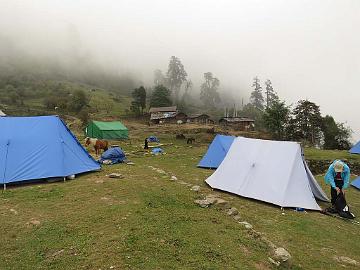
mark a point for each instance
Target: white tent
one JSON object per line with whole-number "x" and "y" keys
{"x": 269, "y": 171}
{"x": 2, "y": 113}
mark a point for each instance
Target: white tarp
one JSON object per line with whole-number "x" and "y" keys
{"x": 269, "y": 171}
{"x": 2, "y": 113}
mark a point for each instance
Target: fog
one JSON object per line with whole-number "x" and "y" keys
{"x": 308, "y": 49}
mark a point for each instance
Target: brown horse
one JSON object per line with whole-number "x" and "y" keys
{"x": 98, "y": 144}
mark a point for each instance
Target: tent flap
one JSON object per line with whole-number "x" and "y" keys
{"x": 216, "y": 152}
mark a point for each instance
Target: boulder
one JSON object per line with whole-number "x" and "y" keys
{"x": 222, "y": 204}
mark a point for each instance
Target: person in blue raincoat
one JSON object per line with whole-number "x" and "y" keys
{"x": 337, "y": 176}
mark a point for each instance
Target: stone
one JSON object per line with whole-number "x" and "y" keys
{"x": 14, "y": 211}
{"x": 173, "y": 178}
{"x": 195, "y": 188}
{"x": 56, "y": 253}
{"x": 99, "y": 181}
{"x": 212, "y": 198}
{"x": 34, "y": 222}
{"x": 232, "y": 211}
{"x": 115, "y": 175}
{"x": 246, "y": 224}
{"x": 347, "y": 260}
{"x": 237, "y": 217}
{"x": 282, "y": 256}
{"x": 203, "y": 203}
{"x": 222, "y": 204}
{"x": 160, "y": 171}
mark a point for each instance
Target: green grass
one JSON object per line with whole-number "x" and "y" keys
{"x": 313, "y": 153}
{"x": 146, "y": 221}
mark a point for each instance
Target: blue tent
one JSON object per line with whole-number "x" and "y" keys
{"x": 116, "y": 155}
{"x": 40, "y": 147}
{"x": 356, "y": 183}
{"x": 355, "y": 149}
{"x": 216, "y": 151}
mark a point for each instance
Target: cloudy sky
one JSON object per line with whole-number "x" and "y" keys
{"x": 308, "y": 48}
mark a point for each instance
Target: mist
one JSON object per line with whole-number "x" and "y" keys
{"x": 309, "y": 49}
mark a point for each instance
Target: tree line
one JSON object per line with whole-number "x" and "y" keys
{"x": 302, "y": 122}
{"x": 167, "y": 88}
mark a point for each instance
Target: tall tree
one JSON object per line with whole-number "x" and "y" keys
{"x": 276, "y": 119}
{"x": 139, "y": 100}
{"x": 307, "y": 122}
{"x": 256, "y": 97}
{"x": 176, "y": 75}
{"x": 336, "y": 135}
{"x": 160, "y": 97}
{"x": 270, "y": 94}
{"x": 209, "y": 90}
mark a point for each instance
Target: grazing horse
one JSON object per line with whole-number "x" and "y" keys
{"x": 98, "y": 144}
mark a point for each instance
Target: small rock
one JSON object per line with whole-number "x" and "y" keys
{"x": 112, "y": 267}
{"x": 347, "y": 260}
{"x": 130, "y": 163}
{"x": 195, "y": 188}
{"x": 14, "y": 211}
{"x": 34, "y": 222}
{"x": 160, "y": 171}
{"x": 232, "y": 211}
{"x": 173, "y": 178}
{"x": 212, "y": 198}
{"x": 247, "y": 225}
{"x": 237, "y": 217}
{"x": 282, "y": 255}
{"x": 57, "y": 253}
{"x": 222, "y": 204}
{"x": 99, "y": 181}
{"x": 203, "y": 203}
{"x": 115, "y": 175}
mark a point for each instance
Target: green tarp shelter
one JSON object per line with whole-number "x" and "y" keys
{"x": 107, "y": 130}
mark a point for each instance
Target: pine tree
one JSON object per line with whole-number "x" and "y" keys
{"x": 270, "y": 94}
{"x": 256, "y": 98}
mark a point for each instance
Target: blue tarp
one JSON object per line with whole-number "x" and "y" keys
{"x": 153, "y": 139}
{"x": 216, "y": 151}
{"x": 356, "y": 183}
{"x": 355, "y": 149}
{"x": 116, "y": 155}
{"x": 157, "y": 150}
{"x": 40, "y": 147}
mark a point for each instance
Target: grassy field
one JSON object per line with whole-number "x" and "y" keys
{"x": 146, "y": 221}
